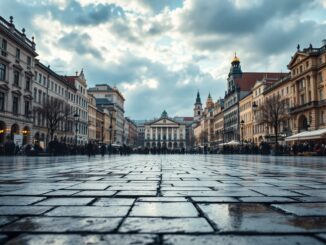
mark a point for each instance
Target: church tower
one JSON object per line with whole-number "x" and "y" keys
{"x": 198, "y": 109}
{"x": 209, "y": 102}
{"x": 235, "y": 71}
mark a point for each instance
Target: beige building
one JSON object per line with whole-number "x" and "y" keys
{"x": 112, "y": 100}
{"x": 17, "y": 64}
{"x": 308, "y": 85}
{"x": 92, "y": 111}
{"x": 80, "y": 105}
{"x": 246, "y": 118}
{"x": 218, "y": 122}
{"x": 165, "y": 133}
{"x": 48, "y": 85}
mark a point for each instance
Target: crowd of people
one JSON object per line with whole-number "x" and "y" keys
{"x": 302, "y": 148}
{"x": 56, "y": 148}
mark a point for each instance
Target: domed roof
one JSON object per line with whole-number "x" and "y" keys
{"x": 235, "y": 58}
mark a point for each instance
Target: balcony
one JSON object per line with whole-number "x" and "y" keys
{"x": 303, "y": 107}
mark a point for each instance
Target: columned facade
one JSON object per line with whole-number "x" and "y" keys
{"x": 165, "y": 133}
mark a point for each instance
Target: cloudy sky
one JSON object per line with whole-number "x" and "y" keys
{"x": 159, "y": 52}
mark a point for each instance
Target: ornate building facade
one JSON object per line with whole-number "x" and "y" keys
{"x": 308, "y": 85}
{"x": 239, "y": 85}
{"x": 17, "y": 65}
{"x": 165, "y": 133}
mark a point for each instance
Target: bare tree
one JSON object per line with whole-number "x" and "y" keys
{"x": 273, "y": 112}
{"x": 54, "y": 111}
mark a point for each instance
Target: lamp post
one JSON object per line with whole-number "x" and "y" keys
{"x": 242, "y": 123}
{"x": 102, "y": 123}
{"x": 76, "y": 116}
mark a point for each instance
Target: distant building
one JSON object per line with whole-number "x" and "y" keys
{"x": 165, "y": 133}
{"x": 112, "y": 100}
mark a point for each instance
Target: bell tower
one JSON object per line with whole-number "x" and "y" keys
{"x": 198, "y": 108}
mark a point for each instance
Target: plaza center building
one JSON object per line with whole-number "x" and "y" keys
{"x": 165, "y": 133}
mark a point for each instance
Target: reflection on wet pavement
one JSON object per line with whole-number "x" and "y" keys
{"x": 172, "y": 199}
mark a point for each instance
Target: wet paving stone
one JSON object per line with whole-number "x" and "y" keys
{"x": 23, "y": 210}
{"x": 87, "y": 211}
{"x": 19, "y": 200}
{"x": 214, "y": 199}
{"x": 303, "y": 209}
{"x": 3, "y": 238}
{"x": 62, "y": 224}
{"x": 61, "y": 193}
{"x": 164, "y": 209}
{"x": 258, "y": 218}
{"x": 166, "y": 225}
{"x": 266, "y": 199}
{"x": 169, "y": 199}
{"x": 162, "y": 199}
{"x": 63, "y": 201}
{"x": 7, "y": 219}
{"x": 83, "y": 239}
{"x": 107, "y": 202}
{"x": 239, "y": 240}
{"x": 95, "y": 193}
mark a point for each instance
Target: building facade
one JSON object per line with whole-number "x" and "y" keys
{"x": 47, "y": 86}
{"x": 17, "y": 65}
{"x": 165, "y": 133}
{"x": 239, "y": 85}
{"x": 111, "y": 99}
{"x": 308, "y": 85}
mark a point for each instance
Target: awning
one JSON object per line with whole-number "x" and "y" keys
{"x": 308, "y": 135}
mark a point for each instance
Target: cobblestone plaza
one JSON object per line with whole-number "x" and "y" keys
{"x": 163, "y": 199}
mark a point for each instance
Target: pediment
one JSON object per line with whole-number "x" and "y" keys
{"x": 164, "y": 121}
{"x": 297, "y": 59}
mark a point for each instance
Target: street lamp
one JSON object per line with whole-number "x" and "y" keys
{"x": 242, "y": 123}
{"x": 254, "y": 105}
{"x": 76, "y": 116}
{"x": 102, "y": 132}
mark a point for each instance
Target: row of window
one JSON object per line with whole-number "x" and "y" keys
{"x": 4, "y": 45}
{"x": 16, "y": 77}
{"x": 15, "y": 105}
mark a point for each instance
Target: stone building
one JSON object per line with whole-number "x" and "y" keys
{"x": 92, "y": 112}
{"x": 308, "y": 86}
{"x": 113, "y": 101}
{"x": 218, "y": 122}
{"x": 48, "y": 85}
{"x": 246, "y": 118}
{"x": 165, "y": 133}
{"x": 81, "y": 106}
{"x": 239, "y": 85}
{"x": 17, "y": 64}
{"x": 132, "y": 133}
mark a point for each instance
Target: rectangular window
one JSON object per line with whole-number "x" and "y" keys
{"x": 320, "y": 77}
{"x": 29, "y": 61}
{"x": 35, "y": 94}
{"x": 40, "y": 96}
{"x": 321, "y": 94}
{"x": 44, "y": 80}
{"x": 17, "y": 54}
{"x": 28, "y": 83}
{"x": 16, "y": 78}
{"x": 15, "y": 102}
{"x": 26, "y": 108}
{"x": 2, "y": 101}
{"x": 4, "y": 47}
{"x": 40, "y": 78}
{"x": 2, "y": 72}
